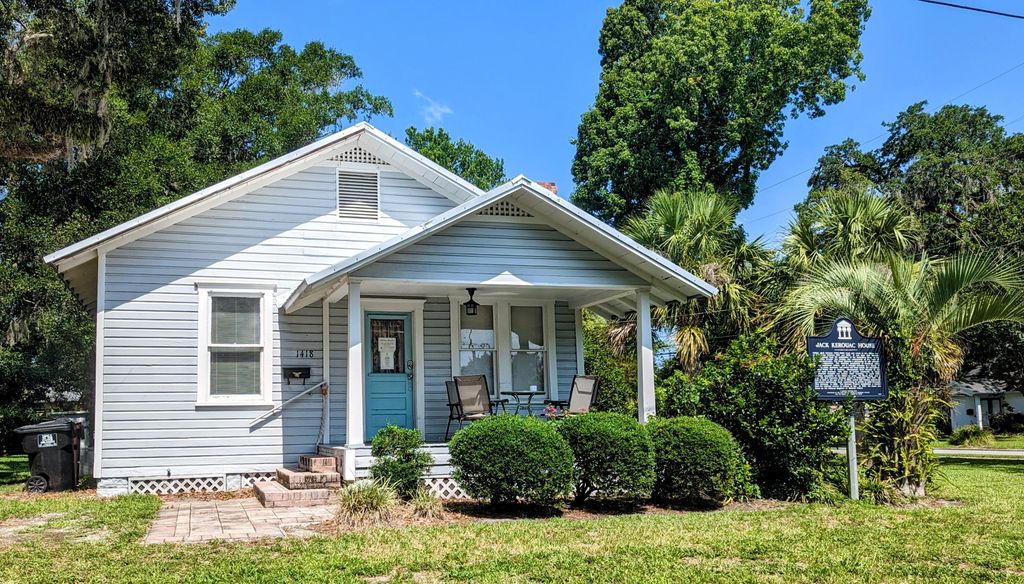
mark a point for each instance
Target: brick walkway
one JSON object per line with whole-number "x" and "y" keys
{"x": 197, "y": 521}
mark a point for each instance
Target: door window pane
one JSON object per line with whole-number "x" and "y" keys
{"x": 236, "y": 321}
{"x": 387, "y": 343}
{"x": 527, "y": 328}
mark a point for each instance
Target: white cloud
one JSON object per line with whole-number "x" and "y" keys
{"x": 433, "y": 111}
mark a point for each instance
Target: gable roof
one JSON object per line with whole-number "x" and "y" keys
{"x": 361, "y": 134}
{"x": 668, "y": 281}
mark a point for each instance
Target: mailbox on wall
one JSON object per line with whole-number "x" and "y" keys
{"x": 300, "y": 374}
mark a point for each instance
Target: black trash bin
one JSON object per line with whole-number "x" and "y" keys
{"x": 52, "y": 449}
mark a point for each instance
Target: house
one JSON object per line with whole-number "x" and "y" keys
{"x": 975, "y": 400}
{"x": 303, "y": 304}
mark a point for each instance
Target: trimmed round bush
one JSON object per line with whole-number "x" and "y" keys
{"x": 697, "y": 462}
{"x": 399, "y": 459}
{"x": 613, "y": 456}
{"x": 508, "y": 458}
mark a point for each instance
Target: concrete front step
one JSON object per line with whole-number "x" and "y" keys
{"x": 294, "y": 479}
{"x": 274, "y": 494}
{"x": 317, "y": 463}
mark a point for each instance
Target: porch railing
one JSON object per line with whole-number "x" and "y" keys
{"x": 322, "y": 386}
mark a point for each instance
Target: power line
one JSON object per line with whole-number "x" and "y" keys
{"x": 973, "y": 9}
{"x": 882, "y": 135}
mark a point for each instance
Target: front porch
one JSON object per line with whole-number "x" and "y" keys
{"x": 520, "y": 339}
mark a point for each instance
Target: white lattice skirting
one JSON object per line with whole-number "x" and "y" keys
{"x": 173, "y": 485}
{"x": 248, "y": 478}
{"x": 444, "y": 488}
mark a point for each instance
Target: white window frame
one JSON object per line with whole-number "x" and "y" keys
{"x": 503, "y": 341}
{"x": 265, "y": 292}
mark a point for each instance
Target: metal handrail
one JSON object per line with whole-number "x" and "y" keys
{"x": 278, "y": 409}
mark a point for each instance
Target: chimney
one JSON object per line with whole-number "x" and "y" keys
{"x": 549, "y": 186}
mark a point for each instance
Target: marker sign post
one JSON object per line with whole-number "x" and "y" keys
{"x": 849, "y": 367}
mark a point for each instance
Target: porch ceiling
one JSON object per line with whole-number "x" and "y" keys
{"x": 609, "y": 303}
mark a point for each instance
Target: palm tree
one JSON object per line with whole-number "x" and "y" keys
{"x": 697, "y": 231}
{"x": 922, "y": 310}
{"x": 849, "y": 224}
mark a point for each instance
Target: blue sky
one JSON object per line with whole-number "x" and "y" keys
{"x": 514, "y": 77}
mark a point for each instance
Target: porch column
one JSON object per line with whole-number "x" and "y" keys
{"x": 977, "y": 412}
{"x": 644, "y": 357}
{"x": 354, "y": 387}
{"x": 326, "y": 321}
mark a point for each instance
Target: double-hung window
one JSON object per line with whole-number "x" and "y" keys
{"x": 235, "y": 350}
{"x": 527, "y": 347}
{"x": 476, "y": 344}
{"x": 510, "y": 344}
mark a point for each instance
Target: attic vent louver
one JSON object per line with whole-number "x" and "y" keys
{"x": 359, "y": 156}
{"x": 504, "y": 209}
{"x": 358, "y": 195}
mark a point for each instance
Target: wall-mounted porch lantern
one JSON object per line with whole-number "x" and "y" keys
{"x": 471, "y": 305}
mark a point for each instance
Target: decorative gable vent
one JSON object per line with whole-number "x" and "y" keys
{"x": 359, "y": 156}
{"x": 504, "y": 209}
{"x": 358, "y": 195}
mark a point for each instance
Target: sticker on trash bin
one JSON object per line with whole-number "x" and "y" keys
{"x": 46, "y": 440}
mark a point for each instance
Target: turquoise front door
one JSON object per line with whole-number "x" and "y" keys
{"x": 389, "y": 371}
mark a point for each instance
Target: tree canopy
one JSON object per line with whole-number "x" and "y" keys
{"x": 696, "y": 93}
{"x": 458, "y": 156}
{"x": 235, "y": 100}
{"x": 61, "y": 60}
{"x": 955, "y": 169}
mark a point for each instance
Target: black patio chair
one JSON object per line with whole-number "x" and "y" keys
{"x": 582, "y": 396}
{"x": 469, "y": 400}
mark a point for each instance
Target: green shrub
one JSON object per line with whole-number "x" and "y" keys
{"x": 366, "y": 502}
{"x": 613, "y": 456}
{"x": 507, "y": 458}
{"x": 881, "y": 492}
{"x": 1008, "y": 423}
{"x": 763, "y": 397}
{"x": 971, "y": 436}
{"x": 696, "y": 461}
{"x": 618, "y": 372}
{"x": 399, "y": 458}
{"x": 425, "y": 504}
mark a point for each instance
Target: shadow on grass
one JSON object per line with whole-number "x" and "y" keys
{"x": 591, "y": 509}
{"x": 1015, "y": 466}
{"x": 482, "y": 510}
{"x": 13, "y": 469}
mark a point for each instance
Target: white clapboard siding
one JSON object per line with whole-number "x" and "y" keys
{"x": 280, "y": 233}
{"x": 479, "y": 252}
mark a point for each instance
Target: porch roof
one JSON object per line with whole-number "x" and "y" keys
{"x": 665, "y": 280}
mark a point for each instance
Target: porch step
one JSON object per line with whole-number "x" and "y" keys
{"x": 274, "y": 494}
{"x": 317, "y": 463}
{"x": 294, "y": 479}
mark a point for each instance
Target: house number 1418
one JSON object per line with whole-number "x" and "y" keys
{"x": 304, "y": 354}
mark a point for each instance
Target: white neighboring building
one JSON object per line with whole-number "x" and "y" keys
{"x": 976, "y": 400}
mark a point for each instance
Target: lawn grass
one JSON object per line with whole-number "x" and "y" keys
{"x": 980, "y": 539}
{"x": 13, "y": 472}
{"x": 1002, "y": 442}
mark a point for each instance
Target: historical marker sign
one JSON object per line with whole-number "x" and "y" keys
{"x": 849, "y": 366}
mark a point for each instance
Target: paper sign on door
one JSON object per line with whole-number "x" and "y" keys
{"x": 386, "y": 347}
